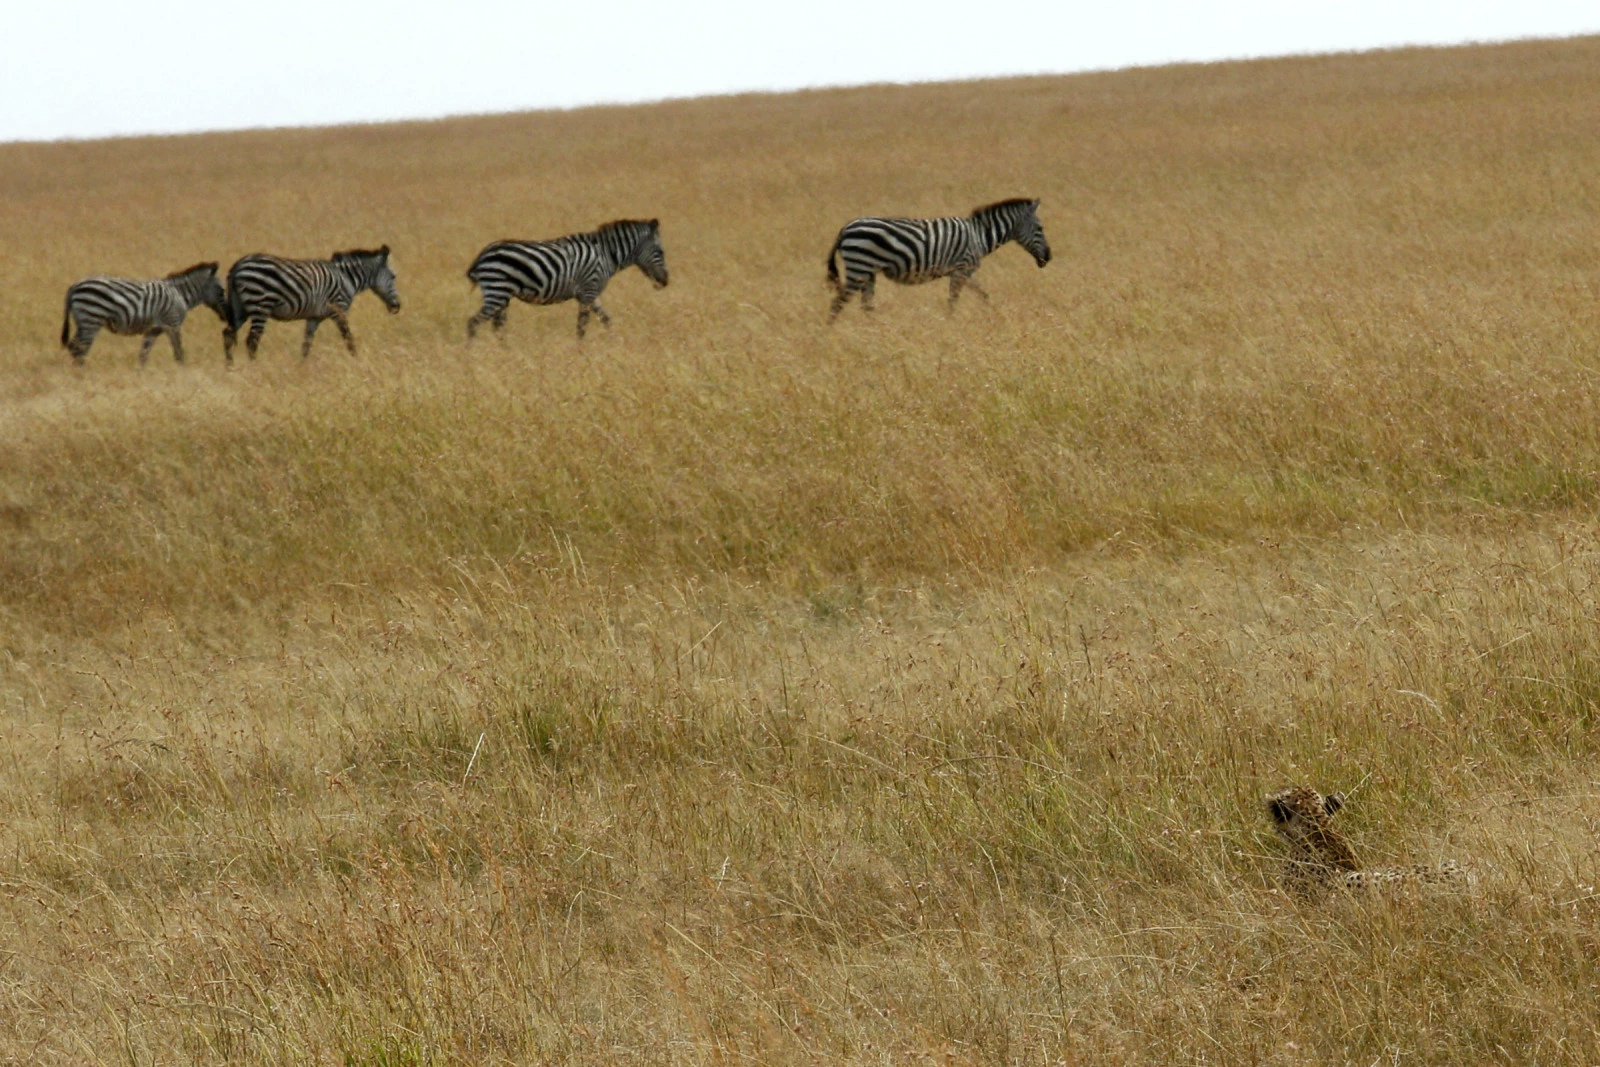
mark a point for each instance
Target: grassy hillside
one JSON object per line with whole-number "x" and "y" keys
{"x": 733, "y": 688}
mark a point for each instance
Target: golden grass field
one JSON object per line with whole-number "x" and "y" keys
{"x": 730, "y": 688}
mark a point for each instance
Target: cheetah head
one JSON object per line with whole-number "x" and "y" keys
{"x": 1303, "y": 818}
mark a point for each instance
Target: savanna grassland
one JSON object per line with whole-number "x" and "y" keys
{"x": 730, "y": 688}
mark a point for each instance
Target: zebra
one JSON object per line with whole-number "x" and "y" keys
{"x": 262, "y": 287}
{"x": 577, "y": 266}
{"x": 911, "y": 251}
{"x": 152, "y": 308}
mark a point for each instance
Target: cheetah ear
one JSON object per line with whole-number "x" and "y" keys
{"x": 1332, "y": 802}
{"x": 1278, "y": 810}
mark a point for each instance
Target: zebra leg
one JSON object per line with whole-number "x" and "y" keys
{"x": 343, "y": 323}
{"x": 175, "y": 335}
{"x": 493, "y": 310}
{"x": 869, "y": 291}
{"x": 149, "y": 342}
{"x": 958, "y": 282}
{"x": 229, "y": 336}
{"x": 80, "y": 344}
{"x": 497, "y": 317}
{"x": 311, "y": 331}
{"x": 499, "y": 323}
{"x": 843, "y": 291}
{"x": 253, "y": 340}
{"x": 588, "y": 296}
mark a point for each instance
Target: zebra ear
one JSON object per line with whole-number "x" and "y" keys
{"x": 655, "y": 224}
{"x": 384, "y": 251}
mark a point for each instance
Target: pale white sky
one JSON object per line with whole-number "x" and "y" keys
{"x": 94, "y": 68}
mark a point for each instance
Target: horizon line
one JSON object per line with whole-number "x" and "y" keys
{"x": 795, "y": 90}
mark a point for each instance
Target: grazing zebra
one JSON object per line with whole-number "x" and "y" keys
{"x": 578, "y": 266}
{"x": 148, "y": 307}
{"x": 910, "y": 251}
{"x": 262, "y": 287}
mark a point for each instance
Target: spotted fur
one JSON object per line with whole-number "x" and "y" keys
{"x": 1321, "y": 857}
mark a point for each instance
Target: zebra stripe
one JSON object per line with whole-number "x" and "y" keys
{"x": 126, "y": 306}
{"x": 262, "y": 287}
{"x": 573, "y": 267}
{"x": 911, "y": 251}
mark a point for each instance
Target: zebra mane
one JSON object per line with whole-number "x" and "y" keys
{"x": 629, "y": 225}
{"x": 624, "y": 239}
{"x": 175, "y": 275}
{"x": 1000, "y": 206}
{"x": 362, "y": 253}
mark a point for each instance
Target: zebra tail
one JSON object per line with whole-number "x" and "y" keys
{"x": 833, "y": 266}
{"x": 66, "y": 323}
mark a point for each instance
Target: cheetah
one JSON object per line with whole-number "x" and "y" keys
{"x": 1320, "y": 857}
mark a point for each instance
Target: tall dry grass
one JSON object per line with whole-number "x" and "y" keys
{"x": 732, "y": 688}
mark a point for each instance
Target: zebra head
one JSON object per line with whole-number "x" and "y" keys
{"x": 637, "y": 242}
{"x": 1030, "y": 234}
{"x": 199, "y": 284}
{"x": 1015, "y": 220}
{"x": 371, "y": 270}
